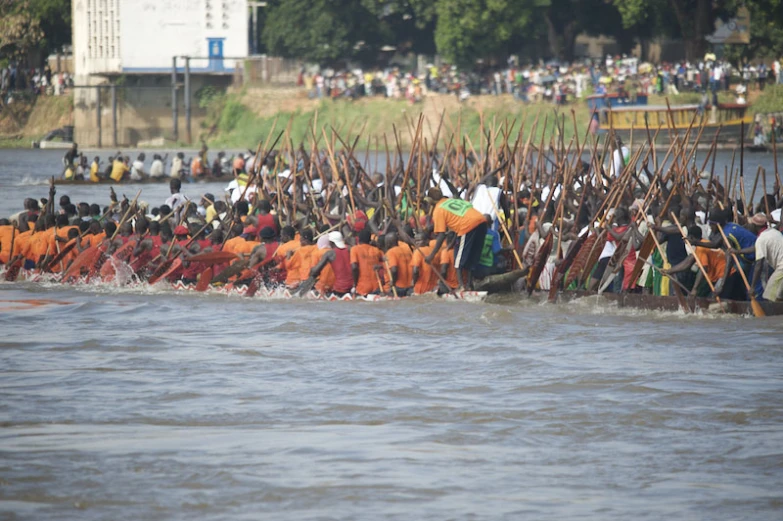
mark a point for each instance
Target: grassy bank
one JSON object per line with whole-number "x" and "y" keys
{"x": 235, "y": 122}
{"x": 242, "y": 119}
{"x": 25, "y": 121}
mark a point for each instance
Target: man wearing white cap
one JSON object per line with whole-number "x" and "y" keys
{"x": 340, "y": 260}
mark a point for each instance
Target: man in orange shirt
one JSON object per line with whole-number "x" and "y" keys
{"x": 299, "y": 262}
{"x": 447, "y": 270}
{"x": 7, "y": 235}
{"x": 424, "y": 277}
{"x": 714, "y": 263}
{"x": 399, "y": 257}
{"x": 365, "y": 260}
{"x": 468, "y": 223}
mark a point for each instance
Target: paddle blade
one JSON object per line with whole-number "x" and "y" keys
{"x": 231, "y": 271}
{"x": 758, "y": 311}
{"x": 204, "y": 279}
{"x": 214, "y": 257}
{"x": 161, "y": 270}
{"x": 305, "y": 286}
{"x": 13, "y": 270}
{"x": 252, "y": 288}
{"x": 60, "y": 256}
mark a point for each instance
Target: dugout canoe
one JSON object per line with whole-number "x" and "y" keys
{"x": 670, "y": 303}
{"x": 145, "y": 181}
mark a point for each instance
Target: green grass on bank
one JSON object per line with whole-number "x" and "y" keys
{"x": 236, "y": 126}
{"x": 769, "y": 101}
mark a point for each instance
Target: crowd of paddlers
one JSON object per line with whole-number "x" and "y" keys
{"x": 582, "y": 213}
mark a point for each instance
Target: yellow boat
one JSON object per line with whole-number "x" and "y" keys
{"x": 625, "y": 119}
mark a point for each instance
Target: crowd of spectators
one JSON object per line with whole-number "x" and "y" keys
{"x": 552, "y": 82}
{"x": 21, "y": 81}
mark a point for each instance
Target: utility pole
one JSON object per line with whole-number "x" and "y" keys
{"x": 98, "y": 113}
{"x": 114, "y": 114}
{"x": 174, "y": 114}
{"x": 188, "y": 136}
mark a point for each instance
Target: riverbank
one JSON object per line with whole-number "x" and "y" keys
{"x": 26, "y": 120}
{"x": 241, "y": 119}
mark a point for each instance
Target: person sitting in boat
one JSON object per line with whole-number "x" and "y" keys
{"x": 119, "y": 169}
{"x": 157, "y": 168}
{"x": 95, "y": 170}
{"x": 177, "y": 166}
{"x": 759, "y": 139}
{"x": 768, "y": 249}
{"x": 490, "y": 262}
{"x": 726, "y": 281}
{"x": 109, "y": 168}
{"x": 70, "y": 172}
{"x": 137, "y": 169}
{"x": 197, "y": 167}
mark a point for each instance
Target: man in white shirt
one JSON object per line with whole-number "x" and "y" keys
{"x": 769, "y": 250}
{"x": 620, "y": 158}
{"x": 157, "y": 168}
{"x": 137, "y": 168}
{"x": 176, "y": 200}
{"x": 176, "y": 165}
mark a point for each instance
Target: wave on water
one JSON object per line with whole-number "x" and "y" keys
{"x": 590, "y": 305}
{"x": 29, "y": 180}
{"x": 128, "y": 285}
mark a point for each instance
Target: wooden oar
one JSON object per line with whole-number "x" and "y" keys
{"x": 204, "y": 279}
{"x": 213, "y": 257}
{"x": 758, "y": 311}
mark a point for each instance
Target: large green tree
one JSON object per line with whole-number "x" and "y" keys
{"x": 20, "y": 30}
{"x": 566, "y": 19}
{"x": 471, "y": 29}
{"x": 322, "y": 31}
{"x": 409, "y": 25}
{"x": 766, "y": 32}
{"x": 54, "y": 17}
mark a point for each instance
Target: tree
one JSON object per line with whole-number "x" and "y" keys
{"x": 766, "y": 32}
{"x": 54, "y": 17}
{"x": 467, "y": 30}
{"x": 20, "y": 31}
{"x": 322, "y": 31}
{"x": 409, "y": 25}
{"x": 566, "y": 19}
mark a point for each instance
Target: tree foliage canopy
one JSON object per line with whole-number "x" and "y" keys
{"x": 27, "y": 25}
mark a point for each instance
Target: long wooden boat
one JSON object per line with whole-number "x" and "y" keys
{"x": 729, "y": 117}
{"x": 660, "y": 303}
{"x": 145, "y": 181}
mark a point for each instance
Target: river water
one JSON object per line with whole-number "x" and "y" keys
{"x": 145, "y": 403}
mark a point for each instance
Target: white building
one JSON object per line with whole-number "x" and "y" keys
{"x": 123, "y": 54}
{"x": 142, "y": 36}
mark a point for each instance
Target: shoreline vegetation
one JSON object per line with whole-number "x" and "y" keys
{"x": 240, "y": 119}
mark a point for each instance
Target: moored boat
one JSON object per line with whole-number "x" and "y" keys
{"x": 625, "y": 120}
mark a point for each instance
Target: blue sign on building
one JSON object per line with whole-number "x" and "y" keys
{"x": 215, "y": 53}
